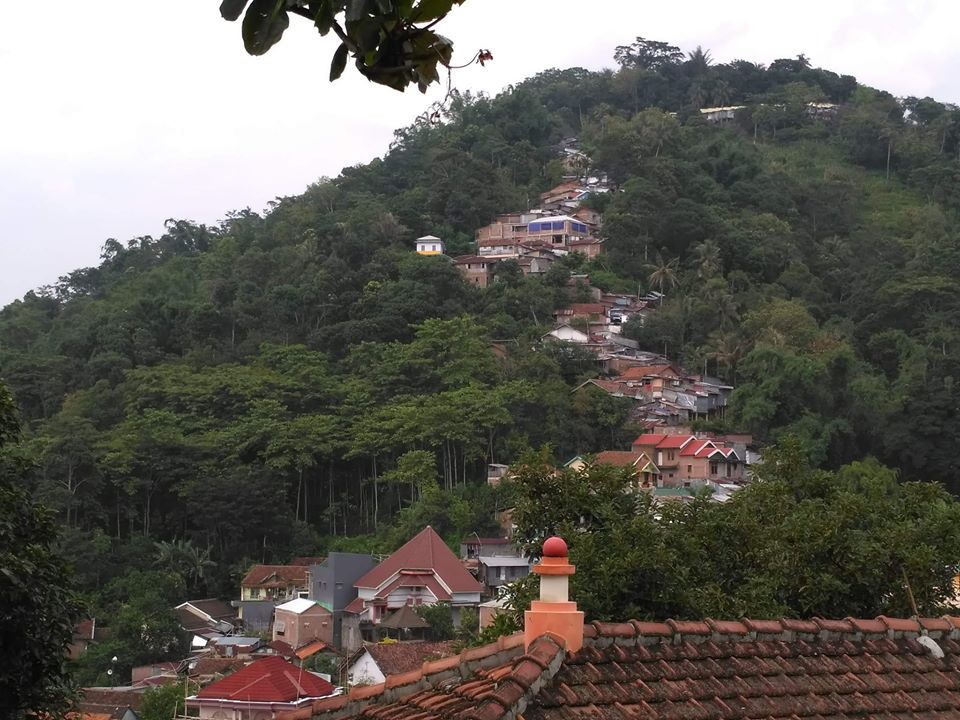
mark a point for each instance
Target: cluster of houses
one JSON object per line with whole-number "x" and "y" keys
{"x": 250, "y": 658}
{"x": 534, "y": 239}
{"x": 674, "y": 463}
{"x": 726, "y": 113}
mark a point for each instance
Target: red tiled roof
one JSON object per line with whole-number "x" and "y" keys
{"x": 620, "y": 458}
{"x": 310, "y": 649}
{"x": 675, "y": 441}
{"x": 354, "y": 606}
{"x": 282, "y": 648}
{"x": 269, "y": 679}
{"x": 275, "y": 576}
{"x": 649, "y": 440}
{"x": 402, "y": 657}
{"x": 425, "y": 551}
{"x": 882, "y": 669}
{"x": 638, "y": 372}
{"x": 209, "y": 665}
{"x": 696, "y": 446}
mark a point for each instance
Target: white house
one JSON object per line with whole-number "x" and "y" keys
{"x": 430, "y": 245}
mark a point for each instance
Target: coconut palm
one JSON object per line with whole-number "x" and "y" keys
{"x": 664, "y": 273}
{"x": 706, "y": 258}
{"x": 185, "y": 559}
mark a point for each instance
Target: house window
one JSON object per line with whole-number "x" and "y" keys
{"x": 670, "y": 455}
{"x": 280, "y": 627}
{"x": 689, "y": 468}
{"x": 713, "y": 468}
{"x": 558, "y": 239}
{"x": 339, "y": 586}
{"x": 254, "y": 593}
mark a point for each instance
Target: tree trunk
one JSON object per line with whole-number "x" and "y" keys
{"x": 889, "y": 149}
{"x": 296, "y": 513}
{"x": 376, "y": 494}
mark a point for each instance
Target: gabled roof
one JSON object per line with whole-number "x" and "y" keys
{"x": 425, "y": 551}
{"x": 621, "y": 458}
{"x": 675, "y": 441}
{"x": 269, "y": 679}
{"x": 275, "y": 576}
{"x": 649, "y": 439}
{"x": 881, "y": 669}
{"x": 298, "y": 605}
{"x": 402, "y": 657}
{"x": 405, "y": 618}
{"x": 696, "y": 446}
{"x": 639, "y": 372}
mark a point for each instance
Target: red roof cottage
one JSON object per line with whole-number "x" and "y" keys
{"x": 422, "y": 572}
{"x": 563, "y": 669}
{"x": 260, "y": 691}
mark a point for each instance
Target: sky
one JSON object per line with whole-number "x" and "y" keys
{"x": 117, "y": 116}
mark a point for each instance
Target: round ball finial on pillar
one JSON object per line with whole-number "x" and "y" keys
{"x": 555, "y": 547}
{"x": 553, "y": 612}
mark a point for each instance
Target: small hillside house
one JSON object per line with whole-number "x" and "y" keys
{"x": 430, "y": 245}
{"x": 298, "y": 622}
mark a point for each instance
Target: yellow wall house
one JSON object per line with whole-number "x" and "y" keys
{"x": 430, "y": 245}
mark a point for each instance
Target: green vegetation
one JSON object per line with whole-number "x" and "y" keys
{"x": 298, "y": 380}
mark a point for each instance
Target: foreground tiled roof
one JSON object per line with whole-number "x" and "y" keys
{"x": 882, "y": 669}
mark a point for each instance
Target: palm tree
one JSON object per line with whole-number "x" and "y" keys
{"x": 722, "y": 92}
{"x": 185, "y": 559}
{"x": 699, "y": 60}
{"x": 726, "y": 350}
{"x": 706, "y": 258}
{"x": 664, "y": 273}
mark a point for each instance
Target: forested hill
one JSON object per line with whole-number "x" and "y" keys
{"x": 302, "y": 373}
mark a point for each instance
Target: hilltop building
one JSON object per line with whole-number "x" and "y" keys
{"x": 430, "y": 245}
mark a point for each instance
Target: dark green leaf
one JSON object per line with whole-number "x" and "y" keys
{"x": 231, "y": 9}
{"x": 339, "y": 62}
{"x": 263, "y": 25}
{"x": 325, "y": 16}
{"x": 356, "y": 10}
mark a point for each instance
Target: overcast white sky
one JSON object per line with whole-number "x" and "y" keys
{"x": 118, "y": 115}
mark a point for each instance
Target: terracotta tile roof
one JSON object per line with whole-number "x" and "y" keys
{"x": 282, "y": 649}
{"x": 695, "y": 447}
{"x": 265, "y": 576}
{"x": 649, "y": 440}
{"x": 311, "y": 649}
{"x": 638, "y": 372}
{"x": 403, "y": 657}
{"x": 217, "y": 609}
{"x": 208, "y": 666}
{"x": 881, "y": 669}
{"x": 675, "y": 441}
{"x": 269, "y": 679}
{"x": 108, "y": 700}
{"x": 425, "y": 551}
{"x": 620, "y": 458}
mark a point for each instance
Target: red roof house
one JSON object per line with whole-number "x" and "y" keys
{"x": 272, "y": 685}
{"x": 273, "y": 582}
{"x": 424, "y": 571}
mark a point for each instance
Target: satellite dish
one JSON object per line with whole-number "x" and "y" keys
{"x": 110, "y": 671}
